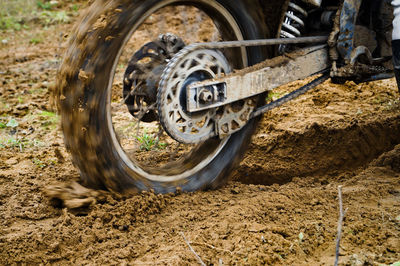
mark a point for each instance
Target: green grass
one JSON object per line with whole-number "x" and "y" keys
{"x": 75, "y": 7}
{"x": 17, "y": 14}
{"x": 273, "y": 96}
{"x": 38, "y": 163}
{"x": 45, "y": 5}
{"x": 12, "y": 123}
{"x": 35, "y": 41}
{"x": 12, "y": 142}
{"x": 49, "y": 119}
{"x": 10, "y": 23}
{"x": 14, "y": 13}
{"x": 149, "y": 142}
{"x": 10, "y": 136}
{"x": 3, "y": 104}
{"x": 42, "y": 164}
{"x": 53, "y": 17}
{"x": 48, "y": 114}
{"x": 20, "y": 99}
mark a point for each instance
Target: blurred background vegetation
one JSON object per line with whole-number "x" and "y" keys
{"x": 23, "y": 14}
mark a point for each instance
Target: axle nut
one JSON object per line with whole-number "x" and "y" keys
{"x": 205, "y": 96}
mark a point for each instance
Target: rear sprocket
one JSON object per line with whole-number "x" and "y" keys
{"x": 188, "y": 67}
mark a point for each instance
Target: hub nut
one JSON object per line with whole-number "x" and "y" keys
{"x": 205, "y": 96}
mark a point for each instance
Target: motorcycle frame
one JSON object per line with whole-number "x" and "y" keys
{"x": 348, "y": 16}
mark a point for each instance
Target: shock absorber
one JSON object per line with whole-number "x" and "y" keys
{"x": 293, "y": 23}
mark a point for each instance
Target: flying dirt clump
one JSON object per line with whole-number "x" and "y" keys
{"x": 82, "y": 200}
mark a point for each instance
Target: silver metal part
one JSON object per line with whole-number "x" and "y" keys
{"x": 316, "y": 3}
{"x": 192, "y": 110}
{"x": 293, "y": 22}
{"x": 359, "y": 51}
{"x": 260, "y": 42}
{"x": 234, "y": 117}
{"x": 205, "y": 96}
{"x": 290, "y": 96}
{"x": 180, "y": 124}
{"x": 241, "y": 86}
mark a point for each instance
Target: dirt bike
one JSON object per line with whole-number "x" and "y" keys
{"x": 165, "y": 95}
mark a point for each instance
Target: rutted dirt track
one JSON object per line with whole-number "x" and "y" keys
{"x": 281, "y": 206}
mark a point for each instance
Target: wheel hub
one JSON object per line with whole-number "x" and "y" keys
{"x": 197, "y": 66}
{"x": 143, "y": 74}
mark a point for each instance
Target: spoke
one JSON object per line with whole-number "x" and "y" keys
{"x": 219, "y": 71}
{"x": 186, "y": 66}
{"x": 196, "y": 128}
{"x": 173, "y": 86}
{"x": 131, "y": 93}
{"x": 188, "y": 129}
{"x": 181, "y": 124}
{"x": 208, "y": 58}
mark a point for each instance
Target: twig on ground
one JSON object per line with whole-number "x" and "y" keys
{"x": 340, "y": 222}
{"x": 192, "y": 250}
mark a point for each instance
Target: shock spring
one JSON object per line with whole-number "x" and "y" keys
{"x": 293, "y": 23}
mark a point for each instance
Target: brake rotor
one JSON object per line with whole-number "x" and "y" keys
{"x": 143, "y": 74}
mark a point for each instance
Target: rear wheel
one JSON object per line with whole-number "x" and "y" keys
{"x": 108, "y": 84}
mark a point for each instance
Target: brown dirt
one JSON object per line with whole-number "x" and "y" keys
{"x": 280, "y": 208}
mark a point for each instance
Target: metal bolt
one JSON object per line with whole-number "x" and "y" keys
{"x": 205, "y": 96}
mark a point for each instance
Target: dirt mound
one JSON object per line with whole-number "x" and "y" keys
{"x": 390, "y": 159}
{"x": 317, "y": 150}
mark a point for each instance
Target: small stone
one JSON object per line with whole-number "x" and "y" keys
{"x": 235, "y": 190}
{"x": 11, "y": 161}
{"x": 256, "y": 227}
{"x": 123, "y": 227}
{"x": 54, "y": 245}
{"x": 393, "y": 245}
{"x": 315, "y": 202}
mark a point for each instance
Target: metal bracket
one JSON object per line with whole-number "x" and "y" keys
{"x": 348, "y": 16}
{"x": 260, "y": 78}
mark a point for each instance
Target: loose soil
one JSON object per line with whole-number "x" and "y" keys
{"x": 281, "y": 206}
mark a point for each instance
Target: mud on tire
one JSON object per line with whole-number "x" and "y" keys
{"x": 84, "y": 84}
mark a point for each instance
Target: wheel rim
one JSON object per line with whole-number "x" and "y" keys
{"x": 201, "y": 155}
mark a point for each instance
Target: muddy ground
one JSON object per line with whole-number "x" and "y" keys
{"x": 281, "y": 206}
